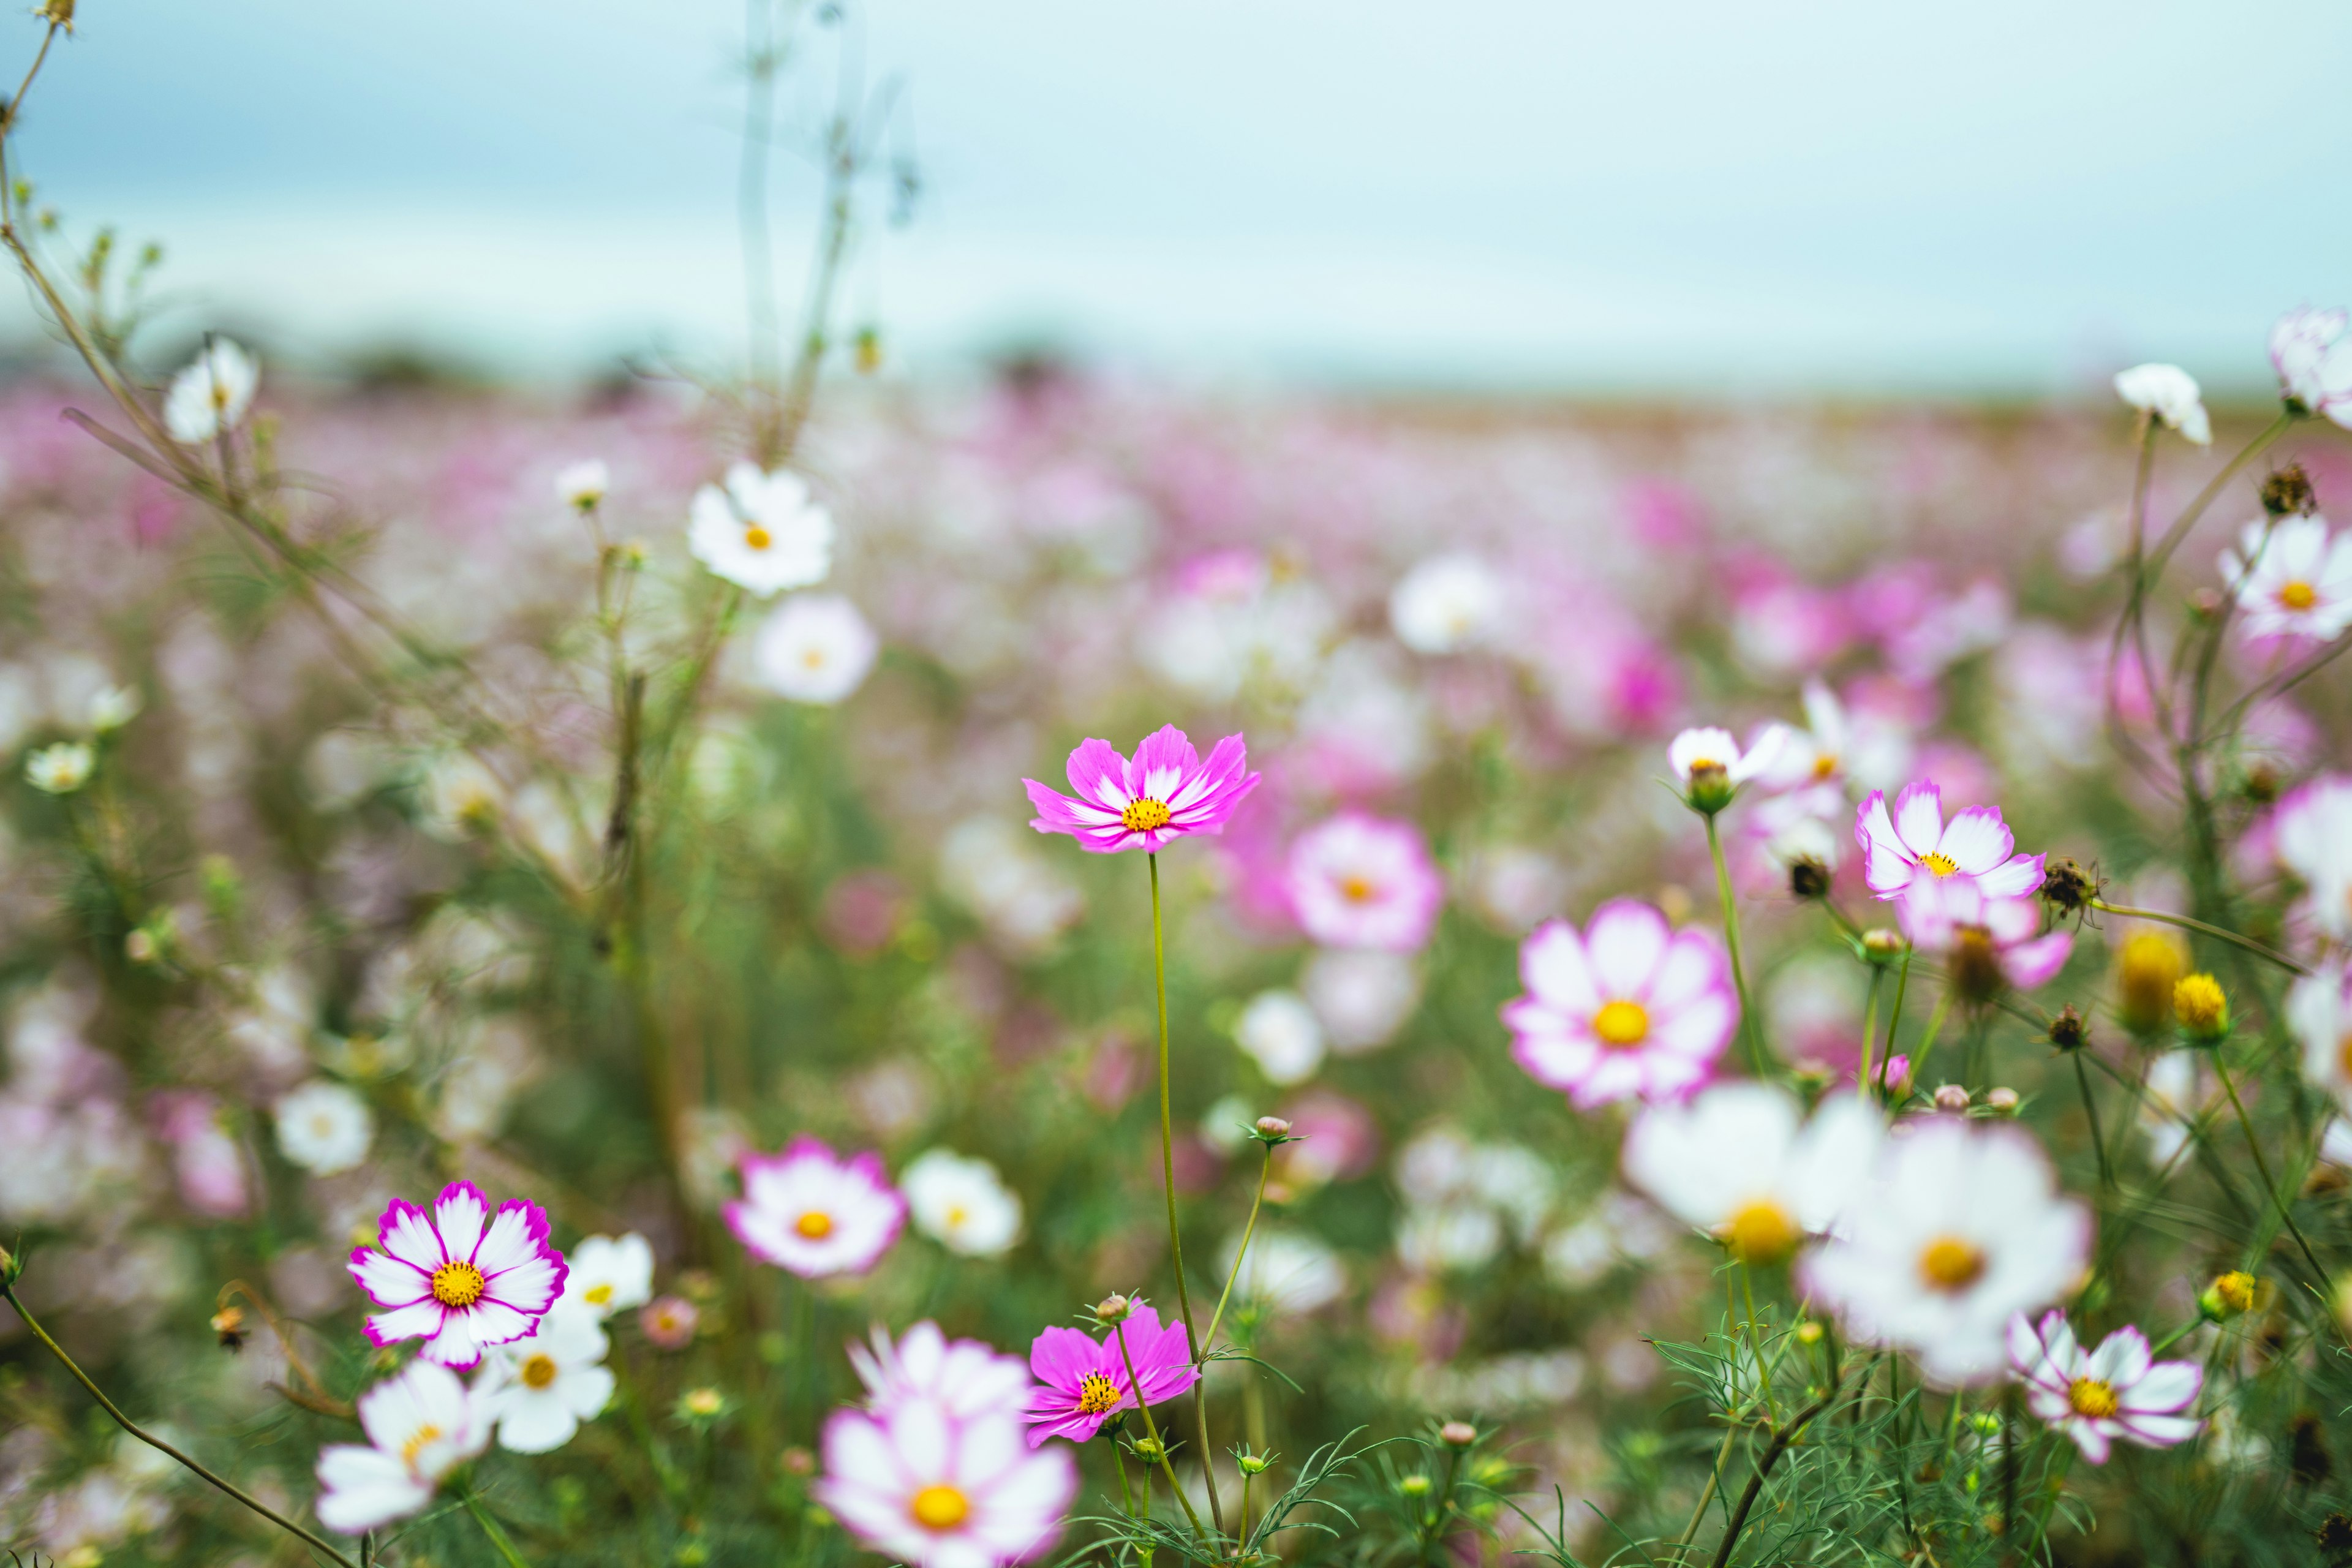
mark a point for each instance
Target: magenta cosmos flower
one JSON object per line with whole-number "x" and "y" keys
{"x": 458, "y": 1278}
{"x": 1914, "y": 844}
{"x": 813, "y": 1214}
{"x": 1165, "y": 794}
{"x": 1363, "y": 881}
{"x": 2118, "y": 1390}
{"x": 926, "y": 1489}
{"x": 1988, "y": 945}
{"x": 1629, "y": 1010}
{"x": 1086, "y": 1380}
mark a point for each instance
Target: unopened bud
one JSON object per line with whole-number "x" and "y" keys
{"x": 1271, "y": 1131}
{"x": 1148, "y": 1447}
{"x": 1251, "y": 1463}
{"x": 1951, "y": 1097}
{"x": 1413, "y": 1486}
{"x": 140, "y": 947}
{"x": 2004, "y": 1101}
{"x": 1881, "y": 946}
{"x": 1710, "y": 788}
{"x": 2229, "y": 1296}
{"x": 1113, "y": 1308}
{"x": 2201, "y": 1006}
{"x": 1457, "y": 1434}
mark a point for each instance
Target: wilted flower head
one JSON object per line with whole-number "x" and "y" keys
{"x": 815, "y": 648}
{"x": 1629, "y": 1009}
{"x": 760, "y": 532}
{"x": 420, "y": 1426}
{"x": 813, "y": 1214}
{"x": 459, "y": 1277}
{"x": 2169, "y": 393}
{"x": 1166, "y": 794}
{"x": 2118, "y": 1390}
{"x": 212, "y": 393}
{"x": 2292, "y": 577}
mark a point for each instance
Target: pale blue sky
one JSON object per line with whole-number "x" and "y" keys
{"x": 2017, "y": 195}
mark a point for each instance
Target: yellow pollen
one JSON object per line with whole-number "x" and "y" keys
{"x": 416, "y": 1441}
{"x": 456, "y": 1284}
{"x": 1951, "y": 1265}
{"x": 2090, "y": 1396}
{"x": 539, "y": 1372}
{"x": 1824, "y": 764}
{"x": 814, "y": 659}
{"x": 957, "y": 1215}
{"x": 1761, "y": 1231}
{"x": 1940, "y": 863}
{"x": 1357, "y": 890}
{"x": 756, "y": 538}
{"x": 2297, "y": 597}
{"x": 816, "y": 1224}
{"x": 1096, "y": 1395}
{"x": 1621, "y": 1023}
{"x": 1144, "y": 813}
{"x": 940, "y": 1508}
{"x": 597, "y": 1295}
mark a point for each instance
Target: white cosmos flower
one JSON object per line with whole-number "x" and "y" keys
{"x": 112, "y": 707}
{"x": 1713, "y": 748}
{"x": 760, "y": 533}
{"x": 2319, "y": 1010}
{"x": 2314, "y": 840}
{"x": 1281, "y": 1033}
{"x": 2292, "y": 578}
{"x": 2314, "y": 360}
{"x": 2172, "y": 1095}
{"x": 610, "y": 1274}
{"x": 965, "y": 1378}
{"x": 1433, "y": 1239}
{"x": 2170, "y": 393}
{"x": 584, "y": 484}
{"x": 60, "y": 769}
{"x": 420, "y": 1426}
{"x": 1287, "y": 1270}
{"x": 961, "y": 1203}
{"x": 1959, "y": 1228}
{"x": 212, "y": 395}
{"x": 1446, "y": 603}
{"x": 1741, "y": 1162}
{"x": 1362, "y": 995}
{"x": 815, "y": 648}
{"x": 540, "y": 1389}
{"x": 324, "y": 1127}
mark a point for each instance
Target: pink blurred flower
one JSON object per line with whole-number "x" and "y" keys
{"x": 458, "y": 1278}
{"x": 207, "y": 1160}
{"x": 1167, "y": 793}
{"x": 1357, "y": 881}
{"x": 1084, "y": 1379}
{"x": 2118, "y": 1390}
{"x": 2313, "y": 361}
{"x": 1914, "y": 844}
{"x": 923, "y": 1488}
{"x": 965, "y": 1378}
{"x": 1990, "y": 944}
{"x": 1332, "y": 1139}
{"x": 812, "y": 1214}
{"x": 669, "y": 1322}
{"x": 1629, "y": 1010}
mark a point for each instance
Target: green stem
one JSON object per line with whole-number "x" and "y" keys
{"x": 2263, "y": 1168}
{"x": 1135, "y": 1386}
{"x": 2175, "y": 1337}
{"x": 1935, "y": 1027}
{"x": 2090, "y": 1109}
{"x": 1731, "y": 941}
{"x": 2220, "y": 933}
{"x": 1870, "y": 1030}
{"x": 1894, "y": 1018}
{"x": 497, "y": 1537}
{"x": 1266, "y": 1167}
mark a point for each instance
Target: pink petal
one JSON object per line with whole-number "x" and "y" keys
{"x": 1163, "y": 760}
{"x": 1625, "y": 941}
{"x": 2037, "y": 962}
{"x": 1099, "y": 774}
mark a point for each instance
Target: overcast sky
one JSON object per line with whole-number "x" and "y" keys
{"x": 2014, "y": 194}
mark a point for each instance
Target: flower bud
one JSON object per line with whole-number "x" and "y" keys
{"x": 1113, "y": 1308}
{"x": 140, "y": 947}
{"x": 2229, "y": 1296}
{"x": 2203, "y": 1009}
{"x": 1251, "y": 1463}
{"x": 2004, "y": 1101}
{"x": 2070, "y": 1031}
{"x": 1710, "y": 788}
{"x": 2068, "y": 887}
{"x": 701, "y": 1404}
{"x": 1457, "y": 1434}
{"x": 1881, "y": 946}
{"x": 1951, "y": 1097}
{"x": 1271, "y": 1131}
{"x": 1809, "y": 1332}
{"x": 1413, "y": 1486}
{"x": 1148, "y": 1447}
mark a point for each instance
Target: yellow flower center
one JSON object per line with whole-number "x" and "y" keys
{"x": 756, "y": 538}
{"x": 816, "y": 1224}
{"x": 597, "y": 1295}
{"x": 538, "y": 1371}
{"x": 416, "y": 1441}
{"x": 2200, "y": 1005}
{"x": 1824, "y": 764}
{"x": 456, "y": 1284}
{"x": 957, "y": 1215}
{"x": 2089, "y": 1396}
{"x": 1144, "y": 813}
{"x": 2297, "y": 597}
{"x": 1941, "y": 864}
{"x": 940, "y": 1507}
{"x": 1357, "y": 890}
{"x": 704, "y": 1402}
{"x": 2236, "y": 1290}
{"x": 1951, "y": 1265}
{"x": 814, "y": 659}
{"x": 1620, "y": 1025}
{"x": 1096, "y": 1395}
{"x": 1761, "y": 1231}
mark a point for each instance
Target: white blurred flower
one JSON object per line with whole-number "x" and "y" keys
{"x": 1280, "y": 1032}
{"x": 421, "y": 1425}
{"x": 584, "y": 484}
{"x": 1435, "y": 1238}
{"x": 112, "y": 708}
{"x": 461, "y": 796}
{"x": 609, "y": 1274}
{"x": 60, "y": 769}
{"x": 997, "y": 874}
{"x": 1287, "y": 1270}
{"x": 1226, "y": 1126}
{"x": 761, "y": 531}
{"x": 2319, "y": 1010}
{"x": 961, "y": 1203}
{"x": 2170, "y": 393}
{"x": 1516, "y": 886}
{"x": 2292, "y": 578}
{"x": 1741, "y": 1162}
{"x": 324, "y": 1127}
{"x": 815, "y": 648}
{"x": 1695, "y": 749}
{"x": 2313, "y": 361}
{"x": 540, "y": 1389}
{"x": 212, "y": 393}
{"x": 1362, "y": 996}
{"x": 1446, "y": 603}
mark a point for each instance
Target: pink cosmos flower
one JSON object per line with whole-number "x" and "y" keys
{"x": 964, "y": 1378}
{"x": 669, "y": 1322}
{"x": 814, "y": 1214}
{"x": 927, "y": 1489}
{"x": 459, "y": 1277}
{"x": 1164, "y": 795}
{"x": 1363, "y": 881}
{"x": 2313, "y": 361}
{"x": 1991, "y": 944}
{"x": 1629, "y": 1010}
{"x": 1086, "y": 1380}
{"x": 2115, "y": 1390}
{"x": 1915, "y": 843}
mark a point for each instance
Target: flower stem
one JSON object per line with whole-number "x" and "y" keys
{"x": 1935, "y": 1027}
{"x": 2175, "y": 1337}
{"x": 1731, "y": 941}
{"x": 1266, "y": 1166}
{"x": 2090, "y": 1109}
{"x": 497, "y": 1537}
{"x": 1870, "y": 1030}
{"x": 2262, "y": 1167}
{"x": 8, "y": 1294}
{"x": 2219, "y": 933}
{"x": 1894, "y": 1018}
{"x": 1135, "y": 1386}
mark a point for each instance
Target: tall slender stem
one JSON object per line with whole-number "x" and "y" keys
{"x": 2262, "y": 1167}
{"x": 1870, "y": 1029}
{"x": 2220, "y": 933}
{"x": 2090, "y": 1109}
{"x": 1264, "y": 1168}
{"x": 1894, "y": 1018}
{"x": 1731, "y": 941}
{"x": 1150, "y": 1430}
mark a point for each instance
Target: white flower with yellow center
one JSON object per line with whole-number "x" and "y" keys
{"x": 1959, "y": 1227}
{"x": 816, "y": 647}
{"x": 420, "y": 1426}
{"x": 2291, "y": 578}
{"x": 760, "y": 532}
{"x": 1711, "y": 757}
{"x": 1740, "y": 1163}
{"x": 1446, "y": 603}
{"x": 1279, "y": 1031}
{"x": 2169, "y": 392}
{"x": 540, "y": 1389}
{"x": 324, "y": 1127}
{"x": 961, "y": 1203}
{"x": 582, "y": 485}
{"x": 610, "y": 1274}
{"x": 212, "y": 393}
{"x": 60, "y": 769}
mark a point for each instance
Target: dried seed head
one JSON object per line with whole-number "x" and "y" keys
{"x": 2070, "y": 1031}
{"x": 1808, "y": 877}
{"x": 2067, "y": 885}
{"x": 2288, "y": 491}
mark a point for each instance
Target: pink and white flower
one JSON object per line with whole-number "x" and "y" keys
{"x": 964, "y": 1378}
{"x": 1697, "y": 750}
{"x": 1630, "y": 1009}
{"x": 1364, "y": 881}
{"x": 1988, "y": 945}
{"x": 2293, "y": 579}
{"x": 2118, "y": 1390}
{"x": 1083, "y": 1382}
{"x": 2313, "y": 361}
{"x": 1166, "y": 794}
{"x": 919, "y": 1486}
{"x": 1914, "y": 845}
{"x": 461, "y": 1279}
{"x": 420, "y": 1426}
{"x": 812, "y": 1214}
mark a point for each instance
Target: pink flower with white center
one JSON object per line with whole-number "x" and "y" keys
{"x": 460, "y": 1278}
{"x": 1989, "y": 945}
{"x": 964, "y": 1378}
{"x": 1166, "y": 794}
{"x": 1363, "y": 881}
{"x": 2293, "y": 579}
{"x": 2313, "y": 361}
{"x": 924, "y": 1488}
{"x": 1085, "y": 1380}
{"x": 1629, "y": 1010}
{"x": 814, "y": 1214}
{"x": 420, "y": 1426}
{"x": 1914, "y": 844}
{"x": 2118, "y": 1390}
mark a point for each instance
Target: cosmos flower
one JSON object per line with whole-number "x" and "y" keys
{"x": 1446, "y": 604}
{"x": 1959, "y": 1228}
{"x": 610, "y": 1274}
{"x": 1914, "y": 843}
{"x": 760, "y": 533}
{"x": 1740, "y": 1163}
{"x": 582, "y": 485}
{"x": 963, "y": 1204}
{"x": 815, "y": 648}
{"x": 1164, "y": 795}
{"x": 538, "y": 1390}
{"x": 2169, "y": 393}
{"x": 1363, "y": 881}
{"x": 459, "y": 1277}
{"x": 1629, "y": 1010}
{"x": 2118, "y": 1390}
{"x": 324, "y": 1127}
{"x": 420, "y": 1426}
{"x": 814, "y": 1214}
{"x": 212, "y": 393}
{"x": 669, "y": 1322}
{"x": 2313, "y": 361}
{"x": 2319, "y": 1011}
{"x": 60, "y": 769}
{"x": 923, "y": 1488}
{"x": 1988, "y": 945}
{"x": 2311, "y": 835}
{"x": 1710, "y": 764}
{"x": 1084, "y": 1381}
{"x": 2292, "y": 578}
{"x": 1281, "y": 1033}
{"x": 964, "y": 1378}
